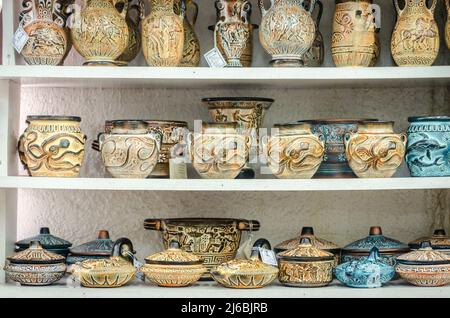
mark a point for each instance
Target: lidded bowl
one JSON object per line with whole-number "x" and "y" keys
{"x": 48, "y": 241}
{"x": 439, "y": 241}
{"x": 100, "y": 248}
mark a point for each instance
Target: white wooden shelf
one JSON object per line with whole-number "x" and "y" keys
{"x": 202, "y": 77}
{"x": 211, "y": 290}
{"x": 224, "y": 185}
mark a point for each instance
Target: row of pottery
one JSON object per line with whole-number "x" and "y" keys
{"x": 206, "y": 249}
{"x": 54, "y": 146}
{"x": 112, "y": 32}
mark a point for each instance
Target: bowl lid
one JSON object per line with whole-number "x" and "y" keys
{"x": 50, "y": 117}
{"x": 308, "y": 232}
{"x": 115, "y": 264}
{"x": 35, "y": 254}
{"x": 174, "y": 255}
{"x": 47, "y": 240}
{"x": 424, "y": 256}
{"x": 439, "y": 240}
{"x": 306, "y": 252}
{"x": 414, "y": 119}
{"x": 376, "y": 239}
{"x": 103, "y": 245}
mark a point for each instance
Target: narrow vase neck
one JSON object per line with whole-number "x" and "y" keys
{"x": 163, "y": 5}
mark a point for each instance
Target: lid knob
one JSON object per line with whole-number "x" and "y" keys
{"x": 439, "y": 232}
{"x": 375, "y": 230}
{"x": 103, "y": 235}
{"x": 44, "y": 230}
{"x": 307, "y": 230}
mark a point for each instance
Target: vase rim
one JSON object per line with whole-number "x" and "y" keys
{"x": 337, "y": 121}
{"x": 148, "y": 121}
{"x": 414, "y": 119}
{"x": 51, "y": 117}
{"x": 200, "y": 221}
{"x": 237, "y": 99}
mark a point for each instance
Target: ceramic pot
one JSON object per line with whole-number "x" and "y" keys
{"x": 100, "y": 34}
{"x": 173, "y": 267}
{"x": 116, "y": 271}
{"x": 52, "y": 146}
{"x": 287, "y": 31}
{"x": 247, "y": 112}
{"x": 314, "y": 57}
{"x": 354, "y": 40}
{"x": 415, "y": 40}
{"x": 447, "y": 24}
{"x": 35, "y": 266}
{"x": 428, "y": 149}
{"x": 305, "y": 266}
{"x": 424, "y": 267}
{"x": 191, "y": 47}
{"x": 214, "y": 240}
{"x": 100, "y": 248}
{"x": 130, "y": 150}
{"x": 48, "y": 242}
{"x": 246, "y": 274}
{"x": 163, "y": 35}
{"x": 370, "y": 272}
{"x": 233, "y": 32}
{"x": 335, "y": 164}
{"x": 219, "y": 151}
{"x": 374, "y": 150}
{"x": 294, "y": 152}
{"x": 439, "y": 241}
{"x": 44, "y": 22}
{"x": 388, "y": 248}
{"x": 318, "y": 242}
{"x": 133, "y": 9}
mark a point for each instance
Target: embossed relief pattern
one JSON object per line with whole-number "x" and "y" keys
{"x": 306, "y": 274}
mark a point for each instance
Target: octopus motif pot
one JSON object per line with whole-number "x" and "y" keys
{"x": 294, "y": 152}
{"x": 375, "y": 151}
{"x": 428, "y": 149}
{"x": 52, "y": 146}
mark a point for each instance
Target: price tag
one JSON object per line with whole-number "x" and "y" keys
{"x": 268, "y": 256}
{"x": 215, "y": 59}
{"x": 20, "y": 39}
{"x": 177, "y": 168}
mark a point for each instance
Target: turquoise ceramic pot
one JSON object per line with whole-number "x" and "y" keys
{"x": 368, "y": 272}
{"x": 428, "y": 149}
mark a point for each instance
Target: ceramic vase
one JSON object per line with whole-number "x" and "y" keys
{"x": 163, "y": 35}
{"x": 314, "y": 57}
{"x": 134, "y": 12}
{"x": 354, "y": 40}
{"x": 52, "y": 146}
{"x": 100, "y": 34}
{"x": 287, "y": 31}
{"x": 44, "y": 22}
{"x": 428, "y": 149}
{"x": 375, "y": 151}
{"x": 415, "y": 40}
{"x": 191, "y": 47}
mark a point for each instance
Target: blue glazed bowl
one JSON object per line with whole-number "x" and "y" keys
{"x": 428, "y": 148}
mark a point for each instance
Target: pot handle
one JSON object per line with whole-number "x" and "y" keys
{"x": 433, "y": 6}
{"x": 125, "y": 7}
{"x": 153, "y": 224}
{"x": 347, "y": 138}
{"x": 319, "y": 14}
{"x": 140, "y": 10}
{"x": 246, "y": 225}
{"x": 21, "y": 150}
{"x": 262, "y": 242}
{"x": 447, "y": 4}
{"x": 99, "y": 141}
{"x": 123, "y": 247}
{"x": 404, "y": 138}
{"x": 262, "y": 8}
{"x": 195, "y": 16}
{"x": 312, "y": 5}
{"x": 397, "y": 7}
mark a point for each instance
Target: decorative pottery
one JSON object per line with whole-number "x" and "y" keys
{"x": 424, "y": 267}
{"x": 35, "y": 266}
{"x": 354, "y": 40}
{"x": 314, "y": 57}
{"x": 101, "y": 248}
{"x": 233, "y": 32}
{"x": 100, "y": 34}
{"x": 294, "y": 152}
{"x": 52, "y": 146}
{"x": 191, "y": 47}
{"x": 134, "y": 9}
{"x": 214, "y": 240}
{"x": 247, "y": 112}
{"x": 334, "y": 163}
{"x": 44, "y": 22}
{"x": 246, "y": 274}
{"x": 219, "y": 151}
{"x": 415, "y": 40}
{"x": 388, "y": 248}
{"x": 130, "y": 150}
{"x": 447, "y": 24}
{"x": 439, "y": 241}
{"x": 428, "y": 149}
{"x": 116, "y": 271}
{"x": 368, "y": 272}
{"x": 318, "y": 242}
{"x": 305, "y": 266}
{"x": 287, "y": 31}
{"x": 173, "y": 267}
{"x": 163, "y": 35}
{"x": 374, "y": 150}
{"x": 48, "y": 241}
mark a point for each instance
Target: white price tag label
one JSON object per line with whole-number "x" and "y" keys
{"x": 215, "y": 59}
{"x": 177, "y": 168}
{"x": 268, "y": 256}
{"x": 20, "y": 39}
